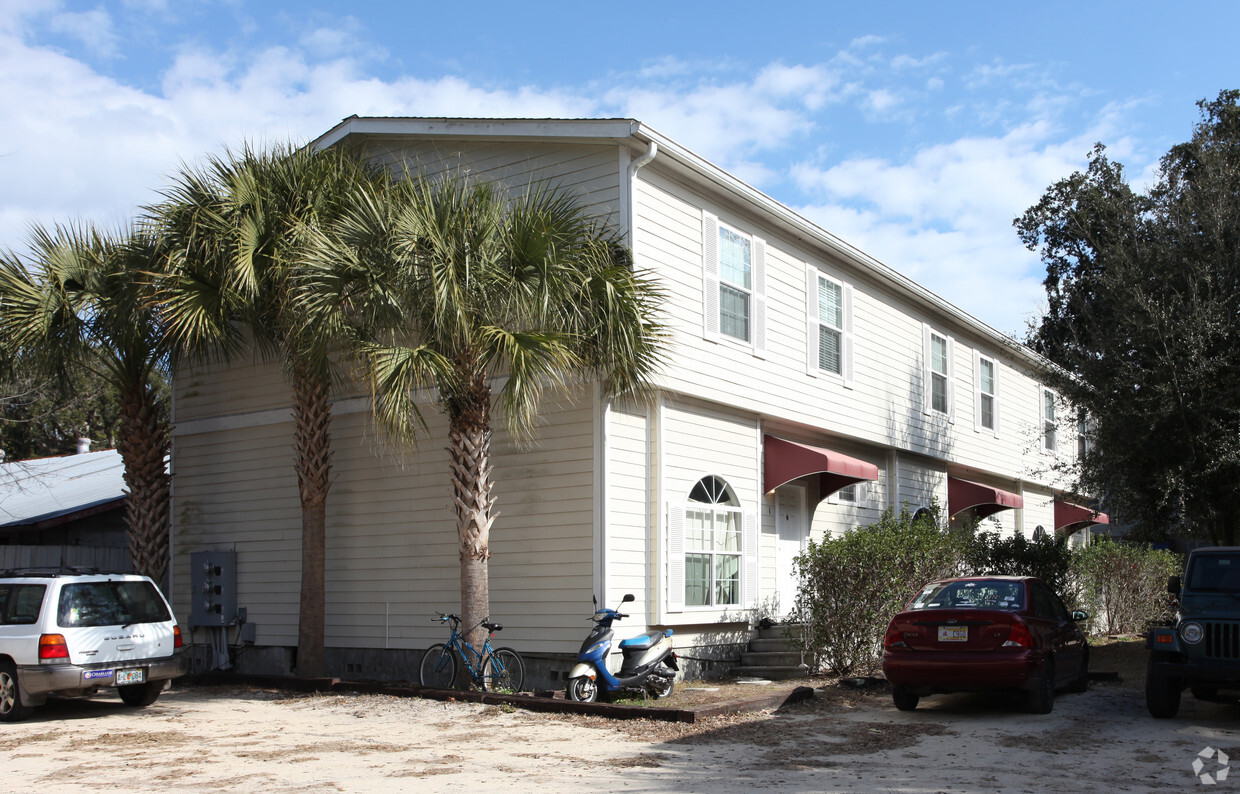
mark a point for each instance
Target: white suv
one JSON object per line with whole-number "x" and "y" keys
{"x": 70, "y": 632}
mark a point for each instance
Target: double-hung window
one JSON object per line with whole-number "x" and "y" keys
{"x": 712, "y": 545}
{"x": 734, "y": 283}
{"x": 987, "y": 414}
{"x": 712, "y": 550}
{"x": 829, "y": 316}
{"x": 1082, "y": 435}
{"x": 1049, "y": 425}
{"x": 937, "y": 353}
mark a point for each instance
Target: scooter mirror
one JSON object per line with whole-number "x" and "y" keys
{"x": 627, "y": 598}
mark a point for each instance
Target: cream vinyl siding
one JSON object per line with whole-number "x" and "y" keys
{"x": 885, "y": 406}
{"x": 629, "y": 553}
{"x": 246, "y": 385}
{"x": 589, "y": 171}
{"x": 699, "y": 440}
{"x": 391, "y": 543}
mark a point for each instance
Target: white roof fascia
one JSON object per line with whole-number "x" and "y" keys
{"x": 628, "y": 131}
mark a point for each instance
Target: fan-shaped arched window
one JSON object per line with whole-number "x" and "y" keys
{"x": 712, "y": 544}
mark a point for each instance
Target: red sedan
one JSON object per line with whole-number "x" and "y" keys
{"x": 982, "y": 633}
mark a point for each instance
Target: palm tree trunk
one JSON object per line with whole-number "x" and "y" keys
{"x": 144, "y": 446}
{"x": 469, "y": 439}
{"x": 312, "y": 442}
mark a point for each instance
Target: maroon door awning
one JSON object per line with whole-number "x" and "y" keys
{"x": 986, "y": 501}
{"x": 784, "y": 461}
{"x": 1077, "y": 517}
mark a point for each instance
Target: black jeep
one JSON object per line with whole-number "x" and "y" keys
{"x": 1201, "y": 650}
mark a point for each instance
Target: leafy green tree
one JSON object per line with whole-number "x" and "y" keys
{"x": 83, "y": 307}
{"x": 239, "y": 237}
{"x": 486, "y": 300}
{"x": 1143, "y": 293}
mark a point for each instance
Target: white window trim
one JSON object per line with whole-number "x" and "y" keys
{"x": 812, "y": 323}
{"x": 927, "y": 374}
{"x": 676, "y": 551}
{"x": 711, "y": 280}
{"x": 977, "y": 395}
{"x": 1042, "y": 393}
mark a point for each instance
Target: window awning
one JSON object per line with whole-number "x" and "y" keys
{"x": 1075, "y": 517}
{"x": 985, "y": 500}
{"x": 784, "y": 461}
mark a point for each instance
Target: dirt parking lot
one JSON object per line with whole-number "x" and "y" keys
{"x": 246, "y": 739}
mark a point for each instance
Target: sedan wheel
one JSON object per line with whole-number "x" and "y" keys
{"x": 904, "y": 699}
{"x": 1042, "y": 696}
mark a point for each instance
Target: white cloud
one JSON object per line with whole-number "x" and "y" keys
{"x": 92, "y": 28}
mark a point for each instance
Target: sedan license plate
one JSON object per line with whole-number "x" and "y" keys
{"x": 125, "y": 677}
{"x": 953, "y": 633}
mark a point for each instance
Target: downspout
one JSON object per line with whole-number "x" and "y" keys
{"x": 634, "y": 167}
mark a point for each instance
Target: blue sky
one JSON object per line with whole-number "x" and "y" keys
{"x": 915, "y": 131}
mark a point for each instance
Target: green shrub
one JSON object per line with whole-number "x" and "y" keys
{"x": 1049, "y": 559}
{"x": 1123, "y": 586}
{"x": 851, "y": 585}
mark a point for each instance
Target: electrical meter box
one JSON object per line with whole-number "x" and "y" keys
{"x": 213, "y": 577}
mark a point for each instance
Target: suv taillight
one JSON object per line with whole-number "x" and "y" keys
{"x": 177, "y": 642}
{"x": 1019, "y": 636}
{"x": 52, "y": 646}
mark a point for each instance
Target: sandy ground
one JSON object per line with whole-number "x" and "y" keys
{"x": 230, "y": 739}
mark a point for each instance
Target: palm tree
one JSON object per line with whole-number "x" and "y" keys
{"x": 482, "y": 286}
{"x": 238, "y": 231}
{"x": 85, "y": 304}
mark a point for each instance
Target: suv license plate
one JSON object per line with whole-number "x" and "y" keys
{"x": 124, "y": 677}
{"x": 953, "y": 633}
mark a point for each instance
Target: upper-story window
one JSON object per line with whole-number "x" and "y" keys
{"x": 987, "y": 394}
{"x": 829, "y": 315}
{"x": 734, "y": 298}
{"x": 937, "y": 354}
{"x": 1050, "y": 431}
{"x": 735, "y": 283}
{"x": 1082, "y": 435}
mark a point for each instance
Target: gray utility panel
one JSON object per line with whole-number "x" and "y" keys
{"x": 213, "y": 576}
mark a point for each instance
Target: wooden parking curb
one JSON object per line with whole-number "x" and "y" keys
{"x": 550, "y": 702}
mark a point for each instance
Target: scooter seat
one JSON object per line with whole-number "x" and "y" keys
{"x": 642, "y": 642}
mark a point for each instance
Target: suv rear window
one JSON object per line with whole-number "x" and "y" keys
{"x": 21, "y": 602}
{"x": 110, "y": 604}
{"x": 983, "y": 594}
{"x": 1215, "y": 572}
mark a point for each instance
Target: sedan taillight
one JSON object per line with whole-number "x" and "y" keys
{"x": 53, "y": 646}
{"x": 894, "y": 638}
{"x": 1019, "y": 636}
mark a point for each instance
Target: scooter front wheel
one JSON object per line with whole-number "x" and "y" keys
{"x": 582, "y": 689}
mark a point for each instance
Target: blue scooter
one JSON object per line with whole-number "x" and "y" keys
{"x": 649, "y": 662}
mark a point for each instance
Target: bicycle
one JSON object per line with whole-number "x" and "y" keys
{"x": 498, "y": 669}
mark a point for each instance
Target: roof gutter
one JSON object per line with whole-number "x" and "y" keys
{"x": 634, "y": 167}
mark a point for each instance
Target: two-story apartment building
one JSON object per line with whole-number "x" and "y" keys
{"x": 808, "y": 387}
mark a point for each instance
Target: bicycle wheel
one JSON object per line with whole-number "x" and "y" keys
{"x": 503, "y": 671}
{"x": 438, "y": 668}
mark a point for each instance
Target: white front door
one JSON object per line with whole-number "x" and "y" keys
{"x": 790, "y": 529}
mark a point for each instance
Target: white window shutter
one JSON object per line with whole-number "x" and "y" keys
{"x": 847, "y": 351}
{"x": 863, "y": 493}
{"x": 996, "y": 401}
{"x": 710, "y": 276}
{"x": 749, "y": 564}
{"x": 927, "y": 389}
{"x": 758, "y": 319}
{"x": 811, "y": 321}
{"x": 951, "y": 380}
{"x": 675, "y": 557}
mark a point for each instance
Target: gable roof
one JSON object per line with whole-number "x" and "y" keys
{"x": 49, "y": 491}
{"x": 640, "y": 137}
